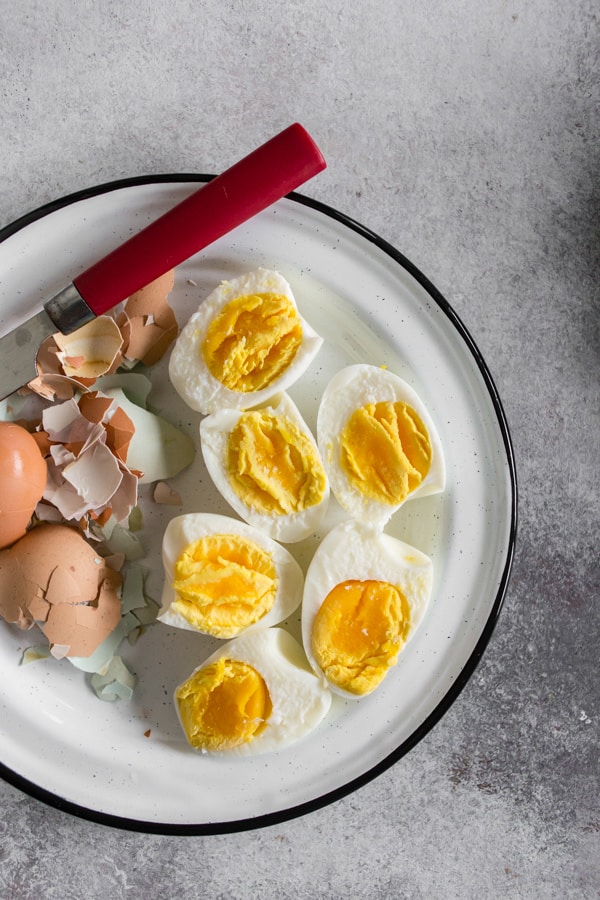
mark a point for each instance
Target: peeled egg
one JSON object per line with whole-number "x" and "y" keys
{"x": 223, "y": 577}
{"x": 23, "y": 474}
{"x": 246, "y": 342}
{"x": 254, "y": 695}
{"x": 365, "y": 594}
{"x": 378, "y": 443}
{"x": 266, "y": 464}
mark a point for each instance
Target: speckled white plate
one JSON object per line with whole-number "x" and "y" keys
{"x": 127, "y": 764}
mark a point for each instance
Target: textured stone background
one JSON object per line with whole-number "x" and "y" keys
{"x": 466, "y": 134}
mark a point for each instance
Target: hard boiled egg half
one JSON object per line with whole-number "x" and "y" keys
{"x": 378, "y": 443}
{"x": 255, "y": 694}
{"x": 365, "y": 594}
{"x": 246, "y": 342}
{"x": 266, "y": 464}
{"x": 223, "y": 577}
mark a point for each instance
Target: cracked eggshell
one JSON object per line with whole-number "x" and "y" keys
{"x": 92, "y": 350}
{"x": 53, "y": 578}
{"x": 151, "y": 299}
{"x": 157, "y": 449}
{"x": 147, "y": 322}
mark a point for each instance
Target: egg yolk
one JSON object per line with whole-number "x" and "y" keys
{"x": 252, "y": 341}
{"x": 224, "y": 583}
{"x": 273, "y": 466}
{"x": 223, "y": 705}
{"x": 358, "y": 632}
{"x": 385, "y": 451}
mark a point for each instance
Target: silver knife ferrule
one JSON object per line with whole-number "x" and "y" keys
{"x": 68, "y": 310}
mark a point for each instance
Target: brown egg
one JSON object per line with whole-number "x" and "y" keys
{"x": 23, "y": 475}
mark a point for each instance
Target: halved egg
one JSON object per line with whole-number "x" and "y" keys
{"x": 266, "y": 464}
{"x": 255, "y": 694}
{"x": 246, "y": 342}
{"x": 378, "y": 443}
{"x": 223, "y": 577}
{"x": 365, "y": 594}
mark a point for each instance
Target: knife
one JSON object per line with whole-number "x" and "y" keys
{"x": 251, "y": 185}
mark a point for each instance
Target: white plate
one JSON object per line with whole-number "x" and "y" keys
{"x": 61, "y": 744}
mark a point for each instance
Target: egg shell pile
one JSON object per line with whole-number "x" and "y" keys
{"x": 358, "y": 548}
{"x": 69, "y": 487}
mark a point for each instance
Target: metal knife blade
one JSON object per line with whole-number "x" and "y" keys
{"x": 18, "y": 351}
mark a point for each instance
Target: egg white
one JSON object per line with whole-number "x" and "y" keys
{"x": 184, "y": 530}
{"x": 214, "y": 435}
{"x": 300, "y": 701}
{"x": 188, "y": 371}
{"x": 348, "y": 390}
{"x": 354, "y": 551}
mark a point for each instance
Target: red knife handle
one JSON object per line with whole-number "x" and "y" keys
{"x": 264, "y": 176}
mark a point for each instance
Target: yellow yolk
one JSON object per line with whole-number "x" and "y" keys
{"x": 224, "y": 583}
{"x": 252, "y": 341}
{"x": 273, "y": 467}
{"x": 223, "y": 705}
{"x": 358, "y": 632}
{"x": 385, "y": 451}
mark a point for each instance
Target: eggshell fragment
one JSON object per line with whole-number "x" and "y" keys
{"x": 116, "y": 683}
{"x": 92, "y": 350}
{"x": 158, "y": 449}
{"x": 148, "y": 323}
{"x": 88, "y": 441}
{"x": 150, "y": 299}
{"x": 164, "y": 493}
{"x": 47, "y": 361}
{"x": 53, "y": 578}
{"x": 51, "y": 383}
{"x": 119, "y": 432}
{"x": 93, "y": 406}
{"x": 84, "y": 626}
{"x": 94, "y": 475}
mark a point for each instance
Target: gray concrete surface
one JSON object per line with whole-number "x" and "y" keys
{"x": 466, "y": 134}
